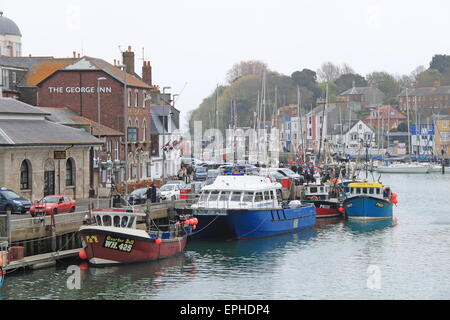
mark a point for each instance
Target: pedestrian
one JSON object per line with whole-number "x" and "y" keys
{"x": 189, "y": 173}
{"x": 185, "y": 176}
{"x": 294, "y": 168}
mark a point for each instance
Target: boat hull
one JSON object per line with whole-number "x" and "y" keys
{"x": 326, "y": 209}
{"x": 250, "y": 224}
{"x": 368, "y": 208}
{"x": 104, "y": 247}
{"x": 403, "y": 169}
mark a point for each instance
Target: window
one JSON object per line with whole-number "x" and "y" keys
{"x": 107, "y": 221}
{"x": 25, "y": 176}
{"x": 117, "y": 150}
{"x": 124, "y": 222}
{"x": 224, "y": 196}
{"x": 129, "y": 98}
{"x": 144, "y": 98}
{"x": 267, "y": 195}
{"x": 204, "y": 196}
{"x": 259, "y": 197}
{"x": 248, "y": 197}
{"x": 371, "y": 191}
{"x": 144, "y": 130}
{"x": 236, "y": 196}
{"x": 136, "y": 98}
{"x": 70, "y": 170}
{"x": 116, "y": 221}
{"x": 214, "y": 196}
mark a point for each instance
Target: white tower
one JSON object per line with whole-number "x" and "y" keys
{"x": 10, "y": 38}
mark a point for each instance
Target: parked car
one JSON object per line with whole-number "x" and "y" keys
{"x": 170, "y": 192}
{"x": 179, "y": 182}
{"x": 287, "y": 173}
{"x": 200, "y": 173}
{"x": 139, "y": 196}
{"x": 11, "y": 201}
{"x": 53, "y": 205}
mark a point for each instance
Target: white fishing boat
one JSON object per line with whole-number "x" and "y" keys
{"x": 404, "y": 168}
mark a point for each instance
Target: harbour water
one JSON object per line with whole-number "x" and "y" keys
{"x": 335, "y": 260}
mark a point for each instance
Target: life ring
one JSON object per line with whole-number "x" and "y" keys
{"x": 315, "y": 198}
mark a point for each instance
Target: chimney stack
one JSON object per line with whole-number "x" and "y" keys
{"x": 128, "y": 60}
{"x": 147, "y": 73}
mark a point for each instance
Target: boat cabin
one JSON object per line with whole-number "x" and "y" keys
{"x": 366, "y": 189}
{"x": 241, "y": 192}
{"x": 118, "y": 218}
{"x": 317, "y": 192}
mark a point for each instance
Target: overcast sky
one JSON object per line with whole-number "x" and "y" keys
{"x": 196, "y": 42}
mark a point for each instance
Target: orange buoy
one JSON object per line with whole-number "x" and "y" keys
{"x": 194, "y": 227}
{"x": 158, "y": 241}
{"x": 186, "y": 222}
{"x": 82, "y": 254}
{"x": 395, "y": 201}
{"x": 341, "y": 210}
{"x": 195, "y": 221}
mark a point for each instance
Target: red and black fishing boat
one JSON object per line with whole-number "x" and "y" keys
{"x": 113, "y": 238}
{"x": 324, "y": 199}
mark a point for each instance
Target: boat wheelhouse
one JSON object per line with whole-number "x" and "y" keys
{"x": 247, "y": 207}
{"x": 114, "y": 237}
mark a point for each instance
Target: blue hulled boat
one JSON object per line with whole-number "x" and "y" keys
{"x": 368, "y": 201}
{"x": 246, "y": 207}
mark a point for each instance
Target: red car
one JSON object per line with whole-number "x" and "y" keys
{"x": 53, "y": 204}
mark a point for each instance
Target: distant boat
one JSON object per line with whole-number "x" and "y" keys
{"x": 247, "y": 207}
{"x": 369, "y": 201}
{"x": 404, "y": 168}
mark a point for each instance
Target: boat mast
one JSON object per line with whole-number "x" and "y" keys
{"x": 407, "y": 123}
{"x": 323, "y": 123}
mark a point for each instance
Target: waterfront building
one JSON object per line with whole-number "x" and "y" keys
{"x": 442, "y": 140}
{"x": 422, "y": 139}
{"x": 386, "y": 117}
{"x": 359, "y": 132}
{"x": 39, "y": 157}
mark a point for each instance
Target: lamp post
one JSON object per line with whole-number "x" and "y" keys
{"x": 98, "y": 97}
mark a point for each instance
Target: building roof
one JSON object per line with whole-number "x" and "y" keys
{"x": 8, "y": 27}
{"x": 42, "y": 132}
{"x": 417, "y": 92}
{"x": 68, "y": 117}
{"x": 40, "y": 68}
{"x": 89, "y": 63}
{"x": 386, "y": 112}
{"x": 156, "y": 125}
{"x": 13, "y": 106}
{"x": 358, "y": 91}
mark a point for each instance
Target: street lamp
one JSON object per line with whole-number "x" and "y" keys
{"x": 98, "y": 96}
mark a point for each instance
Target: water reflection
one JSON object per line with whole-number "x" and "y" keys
{"x": 357, "y": 227}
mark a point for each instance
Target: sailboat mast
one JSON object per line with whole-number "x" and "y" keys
{"x": 407, "y": 122}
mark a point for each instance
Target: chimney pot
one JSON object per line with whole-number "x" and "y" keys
{"x": 74, "y": 54}
{"x": 129, "y": 48}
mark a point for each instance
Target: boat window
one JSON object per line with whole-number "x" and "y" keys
{"x": 99, "y": 220}
{"x": 106, "y": 221}
{"x": 267, "y": 195}
{"x": 204, "y": 195}
{"x": 224, "y": 196}
{"x": 378, "y": 191}
{"x": 259, "y": 197}
{"x": 116, "y": 221}
{"x": 248, "y": 197}
{"x": 371, "y": 191}
{"x": 130, "y": 223}
{"x": 236, "y": 196}
{"x": 364, "y": 190}
{"x": 358, "y": 190}
{"x": 214, "y": 196}
{"x": 313, "y": 190}
{"x": 124, "y": 222}
{"x": 279, "y": 196}
{"x": 321, "y": 189}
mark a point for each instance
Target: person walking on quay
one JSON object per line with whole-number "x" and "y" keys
{"x": 189, "y": 173}
{"x": 185, "y": 175}
{"x": 151, "y": 193}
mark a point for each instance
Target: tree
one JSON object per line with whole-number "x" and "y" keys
{"x": 307, "y": 79}
{"x": 385, "y": 82}
{"x": 246, "y": 68}
{"x": 440, "y": 62}
{"x": 328, "y": 72}
{"x": 347, "y": 81}
{"x": 428, "y": 78}
{"x": 418, "y": 70}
